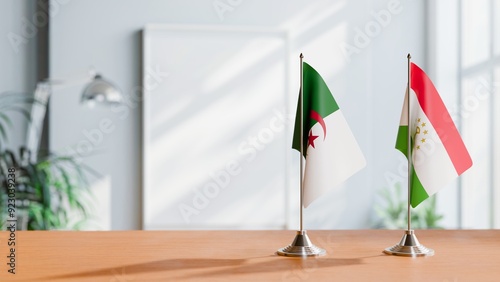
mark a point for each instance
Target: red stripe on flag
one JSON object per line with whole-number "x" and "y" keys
{"x": 434, "y": 108}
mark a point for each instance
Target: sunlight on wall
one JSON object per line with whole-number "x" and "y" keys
{"x": 201, "y": 160}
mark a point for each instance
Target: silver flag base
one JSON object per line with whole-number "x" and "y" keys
{"x": 409, "y": 247}
{"x": 301, "y": 247}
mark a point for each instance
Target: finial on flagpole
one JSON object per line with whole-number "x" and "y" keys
{"x": 301, "y": 56}
{"x": 409, "y": 56}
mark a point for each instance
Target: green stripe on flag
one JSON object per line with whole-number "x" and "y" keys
{"x": 317, "y": 97}
{"x": 418, "y": 193}
{"x": 401, "y": 140}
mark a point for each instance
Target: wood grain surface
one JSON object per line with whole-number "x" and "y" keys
{"x": 352, "y": 255}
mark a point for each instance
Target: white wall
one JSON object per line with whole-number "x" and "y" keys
{"x": 18, "y": 57}
{"x": 369, "y": 86}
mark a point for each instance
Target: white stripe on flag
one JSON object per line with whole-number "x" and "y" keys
{"x": 333, "y": 160}
{"x": 431, "y": 161}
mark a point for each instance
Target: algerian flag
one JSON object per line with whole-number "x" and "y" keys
{"x": 331, "y": 151}
{"x": 438, "y": 153}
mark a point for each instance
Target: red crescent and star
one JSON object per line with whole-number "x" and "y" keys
{"x": 317, "y": 117}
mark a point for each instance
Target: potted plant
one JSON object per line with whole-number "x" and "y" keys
{"x": 49, "y": 192}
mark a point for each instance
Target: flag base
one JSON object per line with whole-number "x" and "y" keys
{"x": 301, "y": 247}
{"x": 409, "y": 247}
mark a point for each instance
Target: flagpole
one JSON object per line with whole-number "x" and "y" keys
{"x": 409, "y": 245}
{"x": 409, "y": 143}
{"x": 301, "y": 96}
{"x": 301, "y": 245}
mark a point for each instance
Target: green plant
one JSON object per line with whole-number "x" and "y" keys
{"x": 393, "y": 212}
{"x": 51, "y": 191}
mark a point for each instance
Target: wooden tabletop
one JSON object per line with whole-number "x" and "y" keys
{"x": 354, "y": 255}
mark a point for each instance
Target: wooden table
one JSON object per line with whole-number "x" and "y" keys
{"x": 461, "y": 255}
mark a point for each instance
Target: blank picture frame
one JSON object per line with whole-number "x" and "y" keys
{"x": 216, "y": 133}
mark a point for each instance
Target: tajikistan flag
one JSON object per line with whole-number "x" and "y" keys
{"x": 438, "y": 153}
{"x": 330, "y": 149}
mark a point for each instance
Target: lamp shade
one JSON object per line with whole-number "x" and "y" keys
{"x": 101, "y": 90}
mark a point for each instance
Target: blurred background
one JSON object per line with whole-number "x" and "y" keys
{"x": 200, "y": 137}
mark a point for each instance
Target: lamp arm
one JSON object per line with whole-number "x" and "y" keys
{"x": 63, "y": 83}
{"x": 38, "y": 111}
{"x": 98, "y": 88}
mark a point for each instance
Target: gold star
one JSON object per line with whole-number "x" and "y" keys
{"x": 418, "y": 147}
{"x": 426, "y": 131}
{"x": 423, "y": 124}
{"x": 423, "y": 140}
{"x": 418, "y": 120}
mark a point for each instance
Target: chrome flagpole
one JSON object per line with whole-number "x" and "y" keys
{"x": 301, "y": 97}
{"x": 301, "y": 245}
{"x": 409, "y": 245}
